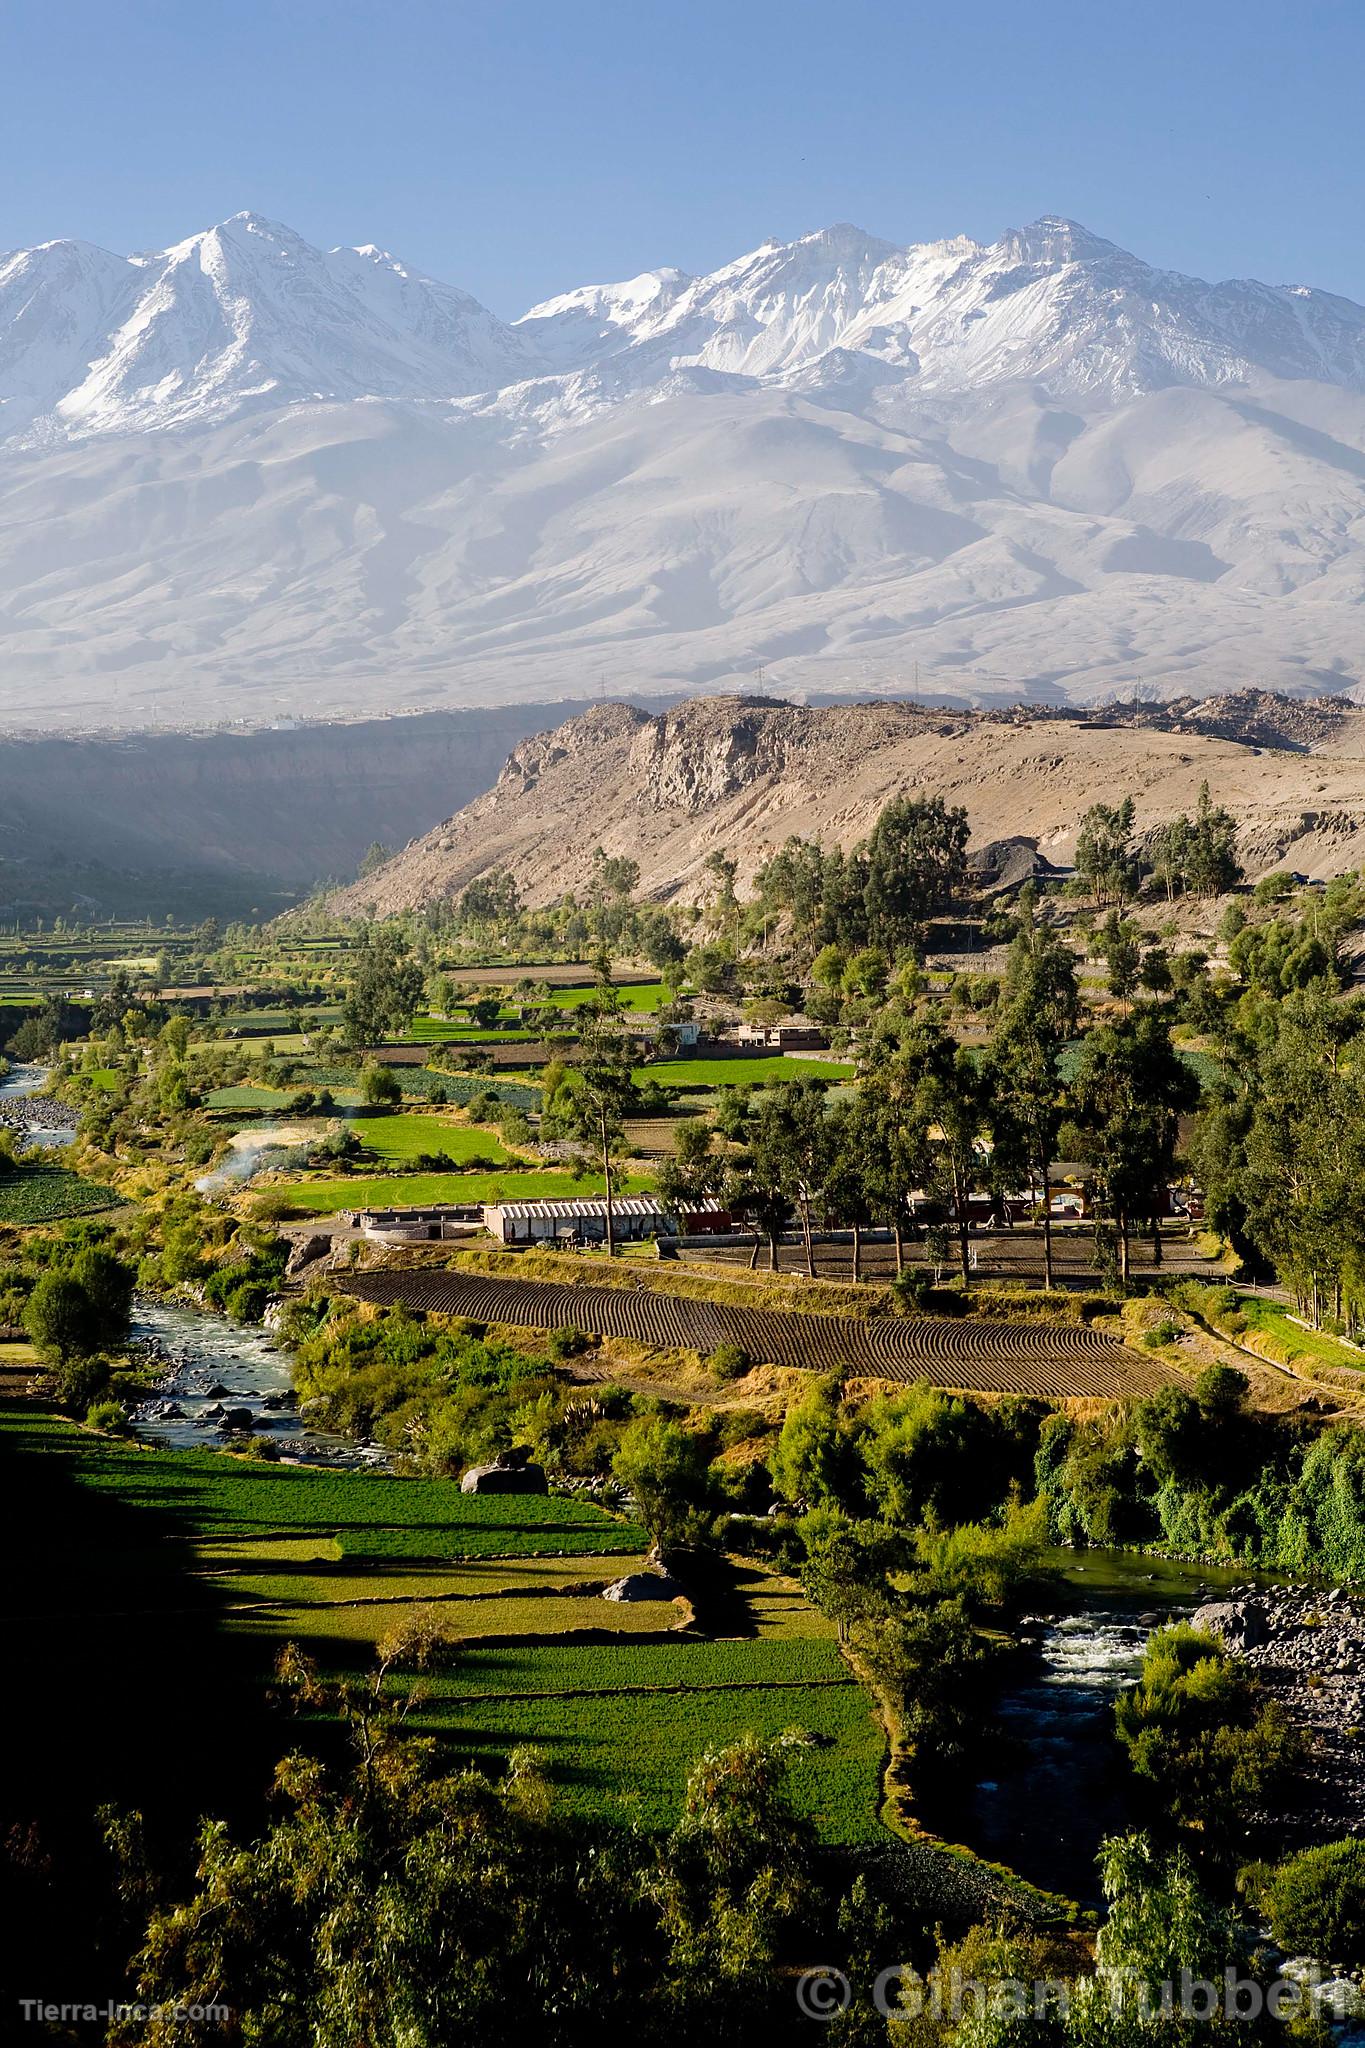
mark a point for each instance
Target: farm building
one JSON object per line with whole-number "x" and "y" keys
{"x": 796, "y": 1035}
{"x": 403, "y": 1226}
{"x": 585, "y": 1218}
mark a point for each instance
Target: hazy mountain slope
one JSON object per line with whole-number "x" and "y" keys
{"x": 742, "y": 775}
{"x": 166, "y": 820}
{"x": 244, "y": 476}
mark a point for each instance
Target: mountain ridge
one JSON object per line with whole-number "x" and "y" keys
{"x": 740, "y": 775}
{"x": 245, "y": 477}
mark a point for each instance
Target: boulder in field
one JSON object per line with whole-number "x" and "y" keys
{"x": 527, "y": 1478}
{"x": 643, "y": 1586}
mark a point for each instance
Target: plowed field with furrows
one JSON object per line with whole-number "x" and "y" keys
{"x": 989, "y": 1357}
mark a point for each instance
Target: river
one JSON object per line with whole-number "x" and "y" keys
{"x": 1058, "y": 1782}
{"x": 214, "y": 1367}
{"x": 47, "y": 1124}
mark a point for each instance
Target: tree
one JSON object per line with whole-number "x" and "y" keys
{"x": 1298, "y": 1171}
{"x": 1315, "y": 1901}
{"x": 1130, "y": 1089}
{"x": 1198, "y": 1725}
{"x": 380, "y": 1086}
{"x": 384, "y": 992}
{"x": 59, "y": 1316}
{"x": 600, "y": 1094}
{"x": 1103, "y": 855}
{"x": 916, "y": 867}
{"x": 790, "y": 1149}
{"x": 941, "y": 1097}
{"x": 668, "y": 1470}
{"x": 1034, "y": 1023}
{"x": 693, "y": 1171}
{"x": 614, "y": 874}
{"x": 107, "y": 1283}
{"x": 851, "y": 1136}
{"x": 1121, "y": 948}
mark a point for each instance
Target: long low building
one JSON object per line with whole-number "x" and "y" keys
{"x": 584, "y": 1219}
{"x": 404, "y": 1226}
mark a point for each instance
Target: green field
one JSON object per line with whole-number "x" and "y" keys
{"x": 404, "y": 1137}
{"x": 440, "y": 1031}
{"x": 423, "y": 1190}
{"x": 723, "y": 1072}
{"x": 202, "y": 1495}
{"x": 1275, "y": 1321}
{"x": 45, "y": 1194}
{"x": 246, "y": 1097}
{"x": 617, "y": 1749}
{"x": 643, "y": 997}
{"x": 230, "y": 1557}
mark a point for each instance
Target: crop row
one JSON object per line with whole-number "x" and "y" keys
{"x": 38, "y": 1194}
{"x": 1045, "y": 1361}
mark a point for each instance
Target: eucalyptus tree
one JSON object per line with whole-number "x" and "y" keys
{"x": 1035, "y": 1021}
{"x": 600, "y": 1093}
{"x": 1130, "y": 1089}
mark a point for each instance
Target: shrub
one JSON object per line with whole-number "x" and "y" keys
{"x": 60, "y": 1317}
{"x": 1315, "y": 1902}
{"x": 247, "y": 1303}
{"x": 80, "y": 1382}
{"x": 728, "y": 1362}
{"x": 568, "y": 1343}
{"x": 380, "y": 1086}
{"x": 110, "y": 1417}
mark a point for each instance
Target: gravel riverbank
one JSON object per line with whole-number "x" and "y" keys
{"x": 1308, "y": 1649}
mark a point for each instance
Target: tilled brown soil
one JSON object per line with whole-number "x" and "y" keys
{"x": 1049, "y": 1360}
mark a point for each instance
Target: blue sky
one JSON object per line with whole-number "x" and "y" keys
{"x": 518, "y": 149}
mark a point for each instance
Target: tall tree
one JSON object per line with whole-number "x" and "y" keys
{"x": 791, "y": 1149}
{"x": 600, "y": 1095}
{"x": 1130, "y": 1089}
{"x": 1037, "y": 1017}
{"x": 384, "y": 991}
{"x": 1104, "y": 856}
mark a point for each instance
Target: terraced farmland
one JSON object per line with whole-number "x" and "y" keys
{"x": 1048, "y": 1360}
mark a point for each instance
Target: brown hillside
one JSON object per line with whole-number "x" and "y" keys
{"x": 744, "y": 773}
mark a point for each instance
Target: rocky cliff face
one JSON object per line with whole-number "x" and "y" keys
{"x": 744, "y": 773}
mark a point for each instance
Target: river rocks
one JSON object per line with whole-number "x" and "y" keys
{"x": 1241, "y": 1624}
{"x": 237, "y": 1418}
{"x": 1308, "y": 1650}
{"x": 28, "y": 1114}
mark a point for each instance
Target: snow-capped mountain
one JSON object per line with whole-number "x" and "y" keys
{"x": 246, "y": 474}
{"x": 245, "y": 314}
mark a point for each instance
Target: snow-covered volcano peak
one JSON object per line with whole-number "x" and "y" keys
{"x": 244, "y": 313}
{"x": 1054, "y": 240}
{"x": 247, "y": 313}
